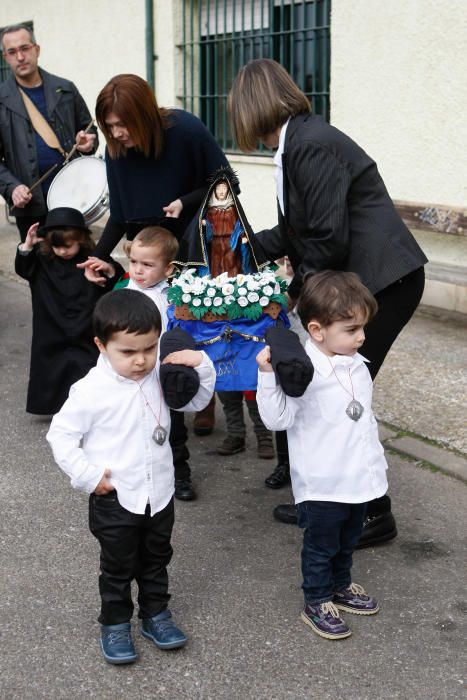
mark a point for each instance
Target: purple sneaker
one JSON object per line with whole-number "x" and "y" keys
{"x": 354, "y": 600}
{"x": 324, "y": 620}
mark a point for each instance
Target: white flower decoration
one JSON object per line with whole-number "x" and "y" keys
{"x": 211, "y": 292}
{"x": 252, "y": 285}
{"x": 186, "y": 288}
{"x": 264, "y": 301}
{"x": 240, "y": 279}
{"x": 242, "y": 301}
{"x": 268, "y": 290}
{"x": 229, "y": 299}
{"x": 277, "y": 288}
{"x": 253, "y": 296}
{"x": 228, "y": 289}
{"x": 207, "y": 301}
{"x": 218, "y": 301}
{"x": 196, "y": 302}
{"x": 186, "y": 298}
{"x": 198, "y": 286}
{"x": 242, "y": 291}
{"x": 221, "y": 279}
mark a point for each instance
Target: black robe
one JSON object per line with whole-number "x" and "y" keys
{"x": 63, "y": 349}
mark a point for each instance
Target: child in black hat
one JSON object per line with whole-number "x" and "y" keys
{"x": 63, "y": 349}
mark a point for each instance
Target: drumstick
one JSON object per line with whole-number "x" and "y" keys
{"x": 72, "y": 152}
{"x": 44, "y": 176}
{"x": 50, "y": 170}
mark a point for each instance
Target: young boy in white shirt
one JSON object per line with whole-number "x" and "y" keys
{"x": 111, "y": 438}
{"x": 337, "y": 463}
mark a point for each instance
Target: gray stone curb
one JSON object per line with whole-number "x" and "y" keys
{"x": 451, "y": 463}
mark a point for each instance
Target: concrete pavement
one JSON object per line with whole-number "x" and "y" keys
{"x": 235, "y": 574}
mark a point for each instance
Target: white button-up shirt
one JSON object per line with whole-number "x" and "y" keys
{"x": 332, "y": 458}
{"x": 158, "y": 293}
{"x": 279, "y": 173}
{"x": 106, "y": 424}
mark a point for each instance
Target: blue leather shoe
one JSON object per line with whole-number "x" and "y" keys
{"x": 162, "y": 630}
{"x": 117, "y": 645}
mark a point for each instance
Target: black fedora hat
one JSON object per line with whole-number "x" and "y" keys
{"x": 63, "y": 217}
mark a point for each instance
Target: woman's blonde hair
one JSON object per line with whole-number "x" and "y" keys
{"x": 131, "y": 99}
{"x": 263, "y": 96}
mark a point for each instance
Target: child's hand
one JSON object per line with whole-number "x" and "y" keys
{"x": 189, "y": 358}
{"x": 31, "y": 238}
{"x": 93, "y": 267}
{"x": 263, "y": 359}
{"x": 104, "y": 486}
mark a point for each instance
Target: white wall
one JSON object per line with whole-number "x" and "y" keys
{"x": 399, "y": 88}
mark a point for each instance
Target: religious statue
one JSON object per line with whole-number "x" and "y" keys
{"x": 227, "y": 293}
{"x": 220, "y": 239}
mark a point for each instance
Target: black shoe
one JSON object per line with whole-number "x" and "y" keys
{"x": 286, "y": 513}
{"x": 377, "y": 529}
{"x": 184, "y": 490}
{"x": 280, "y": 477}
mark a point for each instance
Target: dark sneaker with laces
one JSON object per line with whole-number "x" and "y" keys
{"x": 162, "y": 630}
{"x": 279, "y": 478}
{"x": 231, "y": 445}
{"x": 117, "y": 645}
{"x": 324, "y": 620}
{"x": 355, "y": 600}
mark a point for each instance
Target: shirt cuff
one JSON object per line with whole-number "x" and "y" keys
{"x": 24, "y": 252}
{"x": 267, "y": 380}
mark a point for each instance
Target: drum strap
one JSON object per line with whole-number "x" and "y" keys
{"x": 40, "y": 124}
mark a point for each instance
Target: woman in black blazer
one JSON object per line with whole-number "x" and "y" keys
{"x": 334, "y": 212}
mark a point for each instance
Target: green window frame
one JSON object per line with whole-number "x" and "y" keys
{"x": 4, "y": 67}
{"x": 220, "y": 36}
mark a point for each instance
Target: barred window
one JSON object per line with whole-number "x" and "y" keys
{"x": 220, "y": 36}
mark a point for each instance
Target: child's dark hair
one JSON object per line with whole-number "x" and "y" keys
{"x": 330, "y": 296}
{"x": 125, "y": 310}
{"x": 157, "y": 236}
{"x": 58, "y": 237}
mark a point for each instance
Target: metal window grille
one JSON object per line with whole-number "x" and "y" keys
{"x": 4, "y": 67}
{"x": 220, "y": 36}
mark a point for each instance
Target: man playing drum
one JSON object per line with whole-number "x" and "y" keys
{"x": 42, "y": 117}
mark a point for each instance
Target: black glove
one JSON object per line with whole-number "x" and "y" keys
{"x": 292, "y": 366}
{"x": 179, "y": 383}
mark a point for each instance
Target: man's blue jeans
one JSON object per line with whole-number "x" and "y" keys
{"x": 331, "y": 533}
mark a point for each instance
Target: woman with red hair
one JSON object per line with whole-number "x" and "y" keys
{"x": 158, "y": 161}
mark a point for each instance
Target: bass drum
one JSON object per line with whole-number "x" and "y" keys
{"x": 81, "y": 184}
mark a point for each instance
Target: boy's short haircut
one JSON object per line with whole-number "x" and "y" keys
{"x": 125, "y": 310}
{"x": 330, "y": 296}
{"x": 161, "y": 237}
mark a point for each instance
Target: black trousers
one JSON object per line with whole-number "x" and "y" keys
{"x": 396, "y": 306}
{"x": 178, "y": 438}
{"x": 132, "y": 547}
